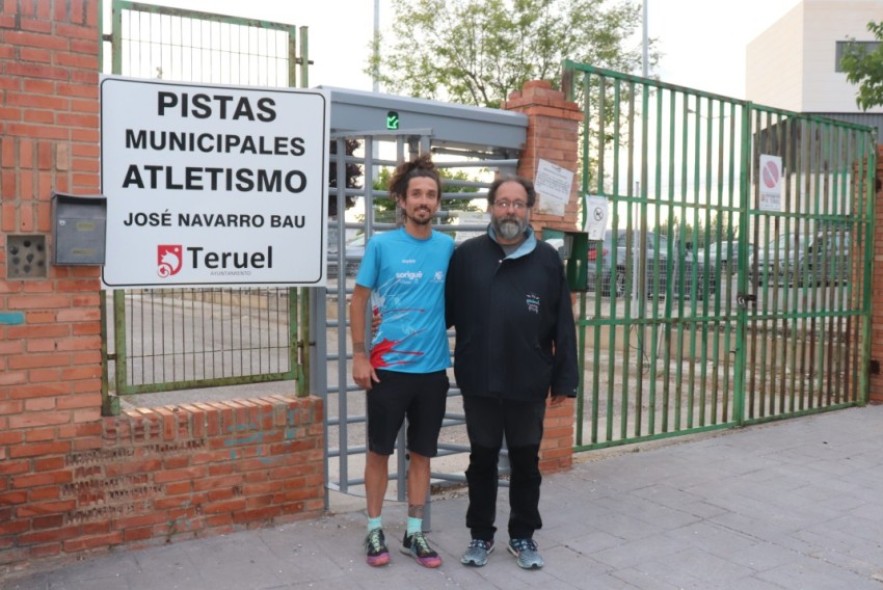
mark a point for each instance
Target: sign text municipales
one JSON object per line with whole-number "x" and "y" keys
{"x": 213, "y": 185}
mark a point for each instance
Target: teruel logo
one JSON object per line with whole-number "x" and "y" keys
{"x": 169, "y": 259}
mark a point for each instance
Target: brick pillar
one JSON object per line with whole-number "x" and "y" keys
{"x": 552, "y": 135}
{"x": 875, "y": 380}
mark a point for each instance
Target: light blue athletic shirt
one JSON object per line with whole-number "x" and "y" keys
{"x": 406, "y": 276}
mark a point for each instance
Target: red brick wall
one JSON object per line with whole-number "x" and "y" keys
{"x": 164, "y": 474}
{"x": 552, "y": 135}
{"x": 71, "y": 480}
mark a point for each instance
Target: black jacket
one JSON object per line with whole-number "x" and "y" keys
{"x": 515, "y": 335}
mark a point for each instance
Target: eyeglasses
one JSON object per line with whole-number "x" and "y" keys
{"x": 514, "y": 205}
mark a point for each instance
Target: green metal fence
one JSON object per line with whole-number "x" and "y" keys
{"x": 720, "y": 292}
{"x": 150, "y": 41}
{"x": 160, "y": 340}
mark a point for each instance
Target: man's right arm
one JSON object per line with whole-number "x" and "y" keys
{"x": 363, "y": 373}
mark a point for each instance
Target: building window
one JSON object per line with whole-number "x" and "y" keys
{"x": 843, "y": 47}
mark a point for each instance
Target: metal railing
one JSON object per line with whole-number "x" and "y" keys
{"x": 678, "y": 340}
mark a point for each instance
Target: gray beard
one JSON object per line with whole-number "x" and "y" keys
{"x": 509, "y": 229}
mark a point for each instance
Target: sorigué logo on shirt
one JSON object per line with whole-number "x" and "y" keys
{"x": 409, "y": 275}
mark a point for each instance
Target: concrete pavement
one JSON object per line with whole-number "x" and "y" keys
{"x": 795, "y": 504}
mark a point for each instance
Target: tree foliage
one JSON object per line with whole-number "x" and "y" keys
{"x": 865, "y": 68}
{"x": 479, "y": 51}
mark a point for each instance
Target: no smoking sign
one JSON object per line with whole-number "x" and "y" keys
{"x": 770, "y": 183}
{"x": 770, "y": 174}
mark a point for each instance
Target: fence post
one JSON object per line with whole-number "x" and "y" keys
{"x": 875, "y": 377}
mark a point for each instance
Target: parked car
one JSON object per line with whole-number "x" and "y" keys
{"x": 355, "y": 251}
{"x": 774, "y": 263}
{"x": 826, "y": 259}
{"x": 723, "y": 255}
{"x": 605, "y": 277}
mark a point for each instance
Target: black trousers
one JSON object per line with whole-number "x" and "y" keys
{"x": 488, "y": 420}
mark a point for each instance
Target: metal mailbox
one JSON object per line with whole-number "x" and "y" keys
{"x": 80, "y": 225}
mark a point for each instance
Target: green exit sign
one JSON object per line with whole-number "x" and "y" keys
{"x": 392, "y": 120}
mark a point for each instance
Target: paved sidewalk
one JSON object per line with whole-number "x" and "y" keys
{"x": 796, "y": 504}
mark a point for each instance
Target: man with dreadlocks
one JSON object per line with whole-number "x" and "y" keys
{"x": 404, "y": 372}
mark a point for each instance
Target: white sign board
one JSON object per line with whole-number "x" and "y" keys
{"x": 770, "y": 183}
{"x": 213, "y": 185}
{"x": 553, "y": 186}
{"x": 597, "y": 211}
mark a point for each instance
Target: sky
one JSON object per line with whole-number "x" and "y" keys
{"x": 703, "y": 41}
{"x": 704, "y": 47}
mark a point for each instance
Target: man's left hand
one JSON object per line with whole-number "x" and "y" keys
{"x": 557, "y": 400}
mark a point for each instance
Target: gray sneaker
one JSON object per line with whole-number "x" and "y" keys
{"x": 477, "y": 552}
{"x": 526, "y": 554}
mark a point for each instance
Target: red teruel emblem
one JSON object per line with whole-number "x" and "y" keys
{"x": 169, "y": 259}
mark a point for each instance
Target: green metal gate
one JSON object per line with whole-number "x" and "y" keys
{"x": 730, "y": 283}
{"x": 159, "y": 340}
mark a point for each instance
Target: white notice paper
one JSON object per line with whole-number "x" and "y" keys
{"x": 553, "y": 186}
{"x": 597, "y": 208}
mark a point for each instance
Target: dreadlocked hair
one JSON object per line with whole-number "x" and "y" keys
{"x": 421, "y": 166}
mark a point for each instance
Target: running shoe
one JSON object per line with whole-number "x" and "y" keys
{"x": 375, "y": 545}
{"x": 526, "y": 554}
{"x": 477, "y": 552}
{"x": 418, "y": 547}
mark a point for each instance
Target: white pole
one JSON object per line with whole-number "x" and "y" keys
{"x": 645, "y": 67}
{"x": 376, "y": 86}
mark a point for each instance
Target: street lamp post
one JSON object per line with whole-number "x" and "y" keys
{"x": 376, "y": 73}
{"x": 645, "y": 68}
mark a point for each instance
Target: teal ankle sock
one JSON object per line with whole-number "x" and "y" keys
{"x": 415, "y": 525}
{"x": 374, "y": 523}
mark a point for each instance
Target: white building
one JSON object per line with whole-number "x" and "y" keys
{"x": 794, "y": 64}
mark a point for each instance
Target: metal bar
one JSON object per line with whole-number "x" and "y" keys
{"x": 581, "y": 390}
{"x": 121, "y": 363}
{"x": 598, "y": 287}
{"x": 795, "y": 300}
{"x": 870, "y": 156}
{"x": 669, "y": 267}
{"x": 304, "y": 61}
{"x": 745, "y": 226}
{"x": 821, "y": 195}
{"x": 634, "y": 244}
{"x": 654, "y": 329}
{"x": 677, "y": 283}
{"x": 614, "y": 253}
{"x": 682, "y": 253}
{"x": 742, "y": 260}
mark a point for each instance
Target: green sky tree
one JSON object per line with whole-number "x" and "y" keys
{"x": 864, "y": 68}
{"x": 479, "y": 51}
